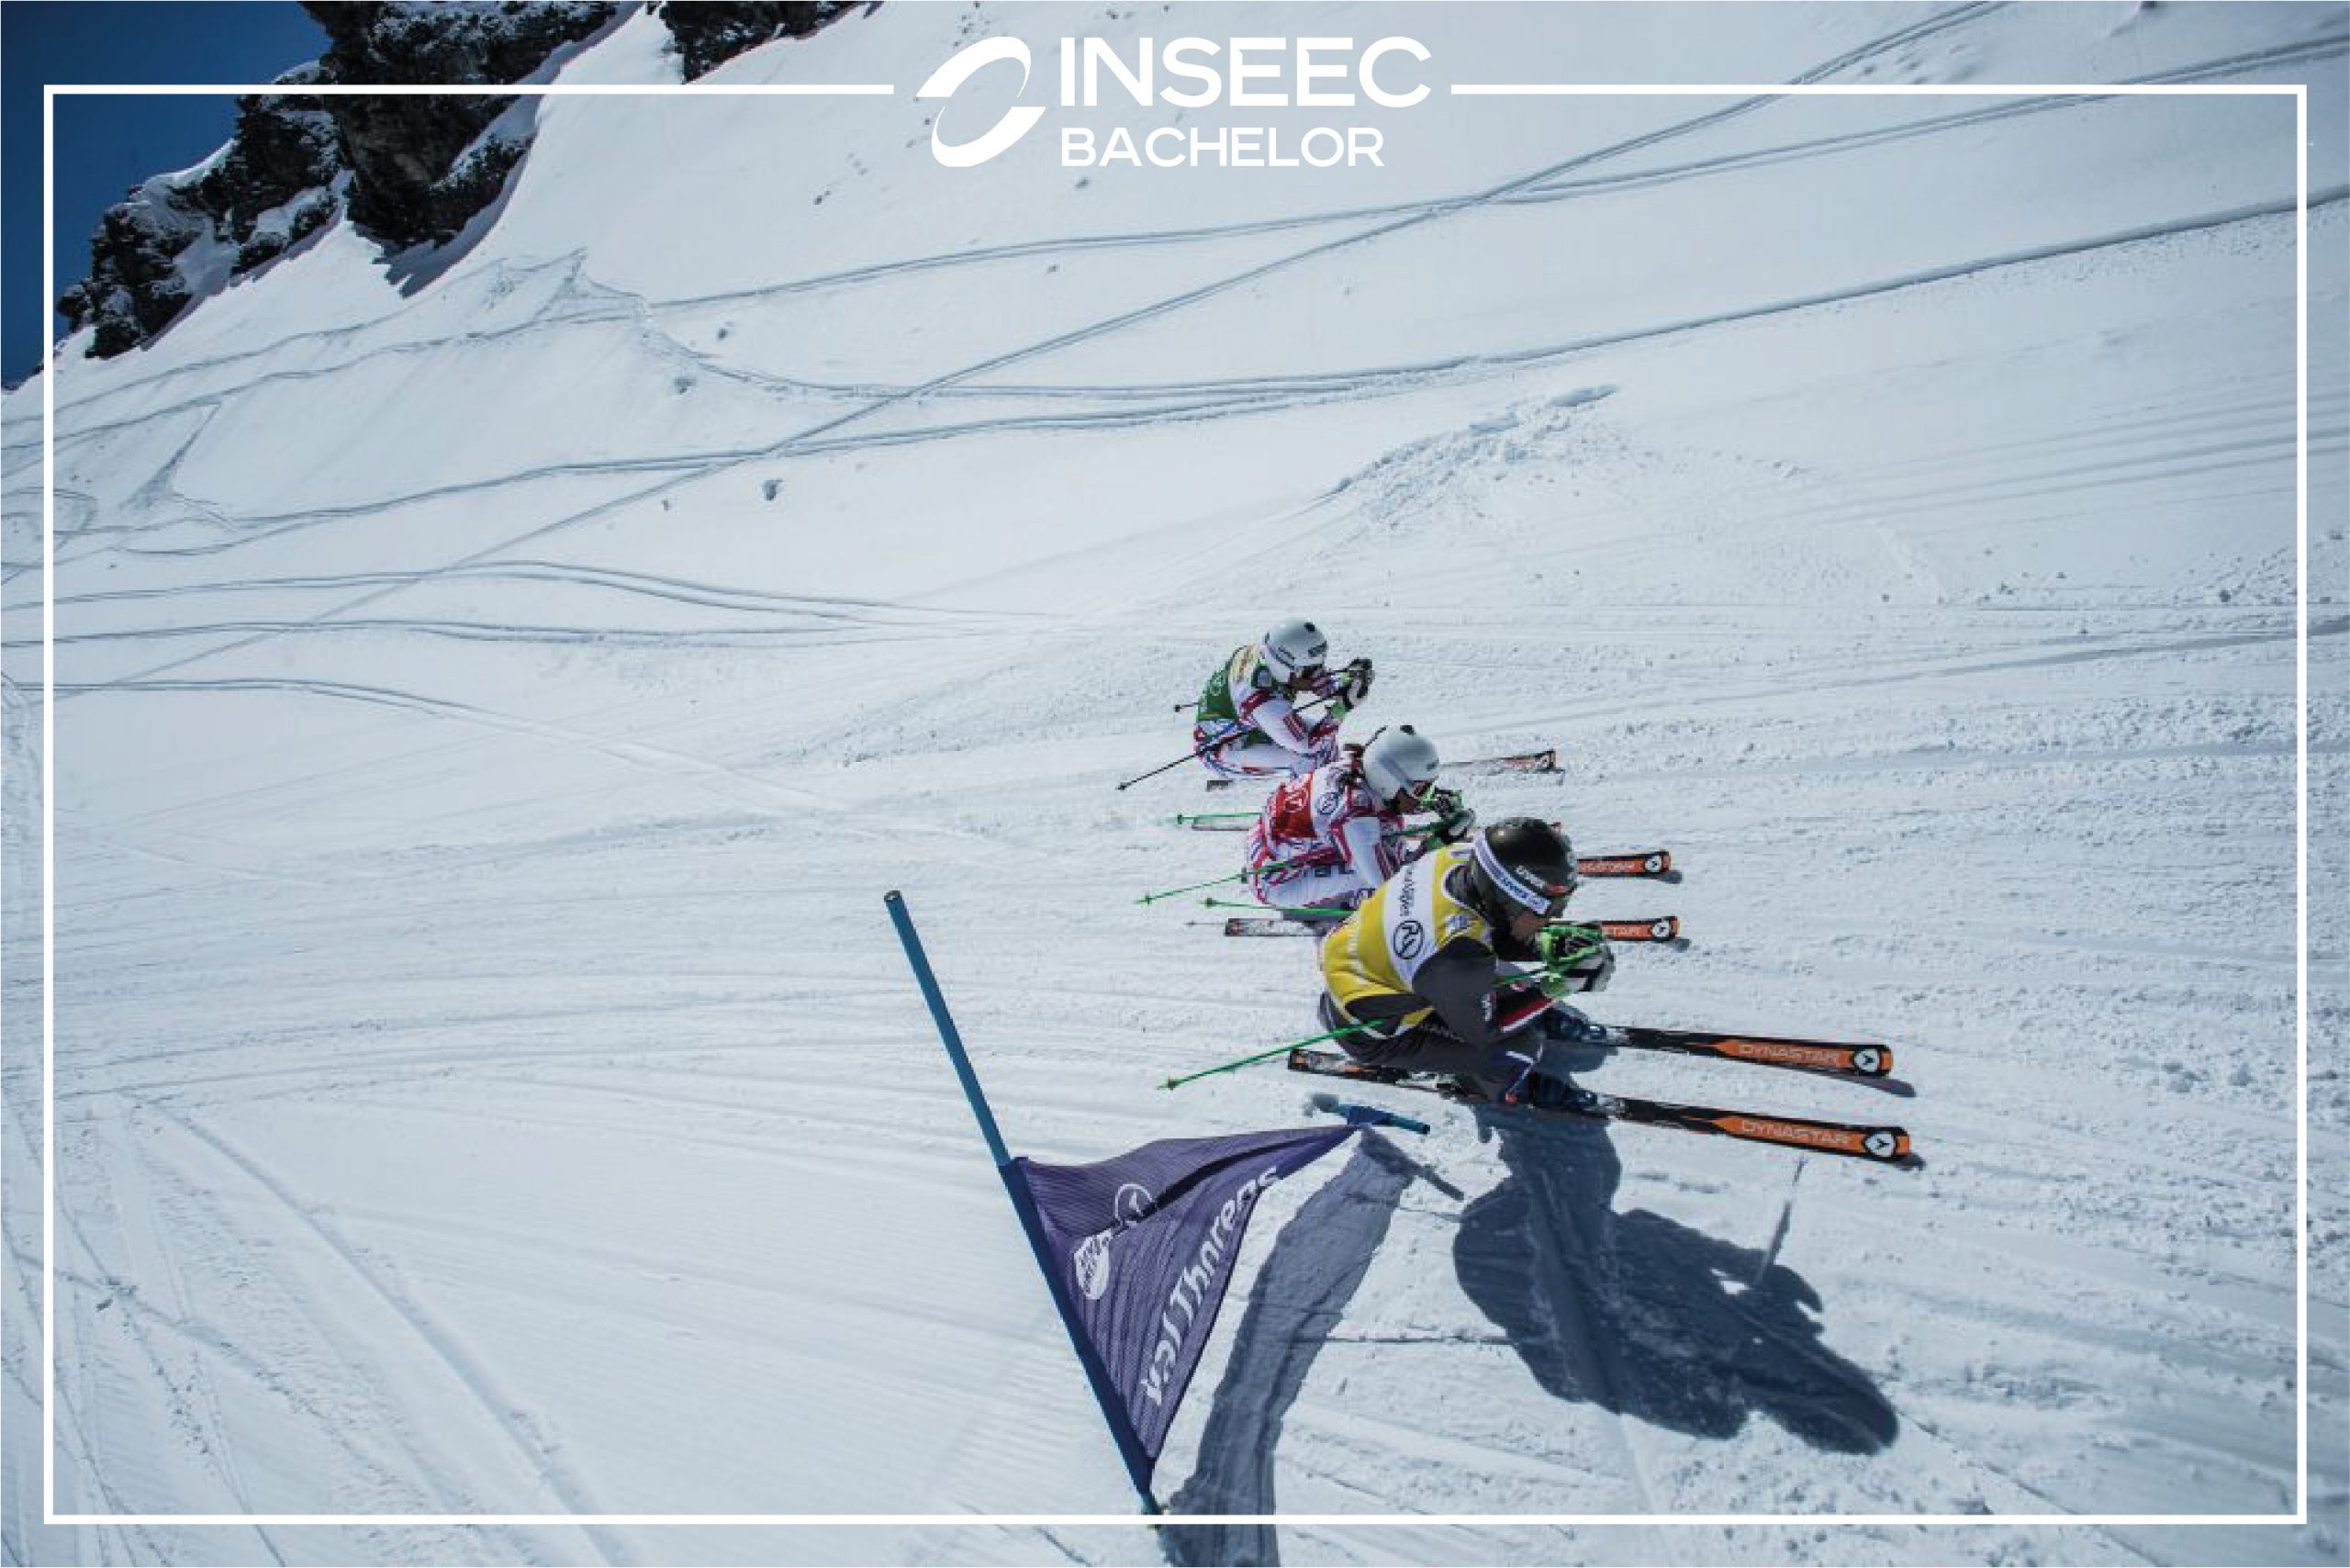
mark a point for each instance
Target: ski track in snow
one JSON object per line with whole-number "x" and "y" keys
{"x": 499, "y": 1407}
{"x": 563, "y": 950}
{"x": 1954, "y": 16}
{"x": 733, "y": 784}
{"x": 1178, "y": 402}
{"x": 1540, "y": 189}
{"x": 1241, "y": 399}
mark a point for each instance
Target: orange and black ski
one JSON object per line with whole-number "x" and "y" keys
{"x": 1877, "y": 1145}
{"x": 1543, "y": 761}
{"x": 1665, "y": 928}
{"x": 1838, "y": 1058}
{"x": 1655, "y": 864}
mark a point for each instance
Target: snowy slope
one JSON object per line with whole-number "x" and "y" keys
{"x": 492, "y": 698}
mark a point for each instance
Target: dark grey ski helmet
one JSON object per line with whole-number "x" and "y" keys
{"x": 1521, "y": 865}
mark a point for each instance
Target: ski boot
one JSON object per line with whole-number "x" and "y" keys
{"x": 1522, "y": 1082}
{"x": 1566, "y": 1026}
{"x": 1548, "y": 1091}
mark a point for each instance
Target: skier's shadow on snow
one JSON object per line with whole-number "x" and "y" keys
{"x": 1640, "y": 1315}
{"x": 1312, "y": 1272}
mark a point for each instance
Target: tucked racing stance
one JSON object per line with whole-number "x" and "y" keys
{"x": 1415, "y": 973}
{"x": 1272, "y": 709}
{"x": 1327, "y": 839}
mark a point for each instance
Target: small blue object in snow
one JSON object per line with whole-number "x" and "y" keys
{"x": 1359, "y": 1115}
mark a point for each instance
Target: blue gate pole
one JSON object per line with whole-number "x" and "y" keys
{"x": 1024, "y": 1204}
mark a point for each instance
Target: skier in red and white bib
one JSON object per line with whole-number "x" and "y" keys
{"x": 1327, "y": 840}
{"x": 1250, "y": 726}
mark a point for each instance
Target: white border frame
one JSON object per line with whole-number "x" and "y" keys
{"x": 2298, "y": 91}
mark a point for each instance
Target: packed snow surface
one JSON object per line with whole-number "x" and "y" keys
{"x": 494, "y": 691}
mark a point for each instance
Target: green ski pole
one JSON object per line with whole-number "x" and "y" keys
{"x": 1219, "y": 882}
{"x": 1305, "y": 912}
{"x": 1235, "y": 1065}
{"x": 1195, "y": 886}
{"x": 1507, "y": 978}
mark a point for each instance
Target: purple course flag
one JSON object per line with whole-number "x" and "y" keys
{"x": 1136, "y": 1250}
{"x": 1144, "y": 1244}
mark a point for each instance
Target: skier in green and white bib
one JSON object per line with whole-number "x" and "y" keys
{"x": 1250, "y": 725}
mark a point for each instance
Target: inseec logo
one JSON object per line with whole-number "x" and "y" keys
{"x": 1195, "y": 74}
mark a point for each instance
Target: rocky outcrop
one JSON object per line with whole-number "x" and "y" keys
{"x": 134, "y": 287}
{"x": 407, "y": 170}
{"x": 711, "y": 32}
{"x": 421, "y": 166}
{"x": 179, "y": 236}
{"x": 274, "y": 182}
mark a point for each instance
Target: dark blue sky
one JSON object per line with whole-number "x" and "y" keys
{"x": 107, "y": 145}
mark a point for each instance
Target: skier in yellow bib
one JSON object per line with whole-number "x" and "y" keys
{"x": 1419, "y": 964}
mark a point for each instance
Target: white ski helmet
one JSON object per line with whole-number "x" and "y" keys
{"x": 1294, "y": 649}
{"x": 1396, "y": 760}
